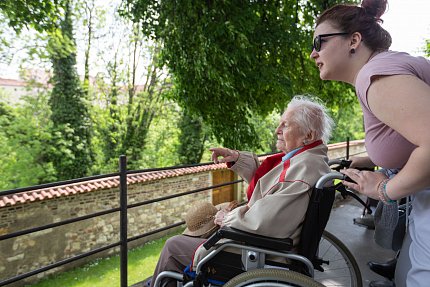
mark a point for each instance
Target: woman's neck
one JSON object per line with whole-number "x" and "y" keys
{"x": 361, "y": 60}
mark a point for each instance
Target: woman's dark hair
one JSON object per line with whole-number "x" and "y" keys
{"x": 365, "y": 19}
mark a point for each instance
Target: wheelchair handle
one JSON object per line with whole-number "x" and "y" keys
{"x": 337, "y": 175}
{"x": 327, "y": 178}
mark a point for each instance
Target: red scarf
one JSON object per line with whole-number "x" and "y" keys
{"x": 269, "y": 163}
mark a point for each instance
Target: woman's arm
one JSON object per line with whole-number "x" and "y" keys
{"x": 401, "y": 102}
{"x": 243, "y": 163}
{"x": 228, "y": 155}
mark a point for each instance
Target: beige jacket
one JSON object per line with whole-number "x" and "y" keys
{"x": 277, "y": 209}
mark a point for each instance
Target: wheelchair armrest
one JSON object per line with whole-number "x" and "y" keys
{"x": 249, "y": 239}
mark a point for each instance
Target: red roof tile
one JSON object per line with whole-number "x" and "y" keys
{"x": 98, "y": 184}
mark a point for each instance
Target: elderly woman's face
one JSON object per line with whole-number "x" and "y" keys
{"x": 288, "y": 133}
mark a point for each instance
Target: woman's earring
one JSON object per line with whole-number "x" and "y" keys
{"x": 352, "y": 51}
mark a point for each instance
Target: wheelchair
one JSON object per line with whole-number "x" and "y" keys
{"x": 319, "y": 260}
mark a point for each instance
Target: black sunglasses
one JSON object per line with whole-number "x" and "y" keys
{"x": 317, "y": 40}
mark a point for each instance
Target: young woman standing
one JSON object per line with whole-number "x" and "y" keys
{"x": 393, "y": 89}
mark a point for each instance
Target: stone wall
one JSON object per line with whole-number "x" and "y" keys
{"x": 29, "y": 252}
{"x": 35, "y": 250}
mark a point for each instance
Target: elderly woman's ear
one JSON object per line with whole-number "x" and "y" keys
{"x": 310, "y": 137}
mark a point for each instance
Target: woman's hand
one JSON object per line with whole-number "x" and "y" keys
{"x": 366, "y": 182}
{"x": 227, "y": 154}
{"x": 219, "y": 217}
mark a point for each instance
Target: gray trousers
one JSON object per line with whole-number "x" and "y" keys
{"x": 177, "y": 253}
{"x": 413, "y": 266}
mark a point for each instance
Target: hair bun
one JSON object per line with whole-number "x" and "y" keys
{"x": 374, "y": 8}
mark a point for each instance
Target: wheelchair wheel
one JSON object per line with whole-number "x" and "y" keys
{"x": 272, "y": 278}
{"x": 342, "y": 269}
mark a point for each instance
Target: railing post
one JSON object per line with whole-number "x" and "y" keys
{"x": 123, "y": 219}
{"x": 347, "y": 148}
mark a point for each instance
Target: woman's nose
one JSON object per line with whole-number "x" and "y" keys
{"x": 313, "y": 54}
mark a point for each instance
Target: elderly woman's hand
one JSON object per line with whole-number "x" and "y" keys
{"x": 219, "y": 217}
{"x": 366, "y": 182}
{"x": 227, "y": 154}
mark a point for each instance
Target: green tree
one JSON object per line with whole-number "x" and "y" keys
{"x": 71, "y": 153}
{"x": 349, "y": 122}
{"x": 193, "y": 136}
{"x": 91, "y": 19}
{"x": 128, "y": 108}
{"x": 112, "y": 131}
{"x": 109, "y": 115}
{"x": 38, "y": 14}
{"x": 265, "y": 128}
{"x": 144, "y": 101}
{"x": 162, "y": 139}
{"x": 24, "y": 137}
{"x": 232, "y": 60}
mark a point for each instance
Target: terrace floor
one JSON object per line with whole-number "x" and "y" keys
{"x": 359, "y": 240}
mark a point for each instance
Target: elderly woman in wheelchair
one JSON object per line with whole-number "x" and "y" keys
{"x": 266, "y": 230}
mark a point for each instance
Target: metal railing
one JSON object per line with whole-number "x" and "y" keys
{"x": 122, "y": 209}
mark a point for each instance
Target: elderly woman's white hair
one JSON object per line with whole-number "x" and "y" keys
{"x": 312, "y": 117}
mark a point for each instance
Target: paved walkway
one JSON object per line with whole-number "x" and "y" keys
{"x": 358, "y": 239}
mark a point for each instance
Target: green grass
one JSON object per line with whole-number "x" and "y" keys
{"x": 106, "y": 272}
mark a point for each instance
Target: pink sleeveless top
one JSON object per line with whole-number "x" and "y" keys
{"x": 386, "y": 147}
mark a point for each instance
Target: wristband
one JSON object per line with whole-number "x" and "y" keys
{"x": 382, "y": 192}
{"x": 238, "y": 155}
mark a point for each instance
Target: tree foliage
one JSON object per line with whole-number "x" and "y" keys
{"x": 143, "y": 101}
{"x": 24, "y": 137}
{"x": 234, "y": 65}
{"x": 232, "y": 60}
{"x": 38, "y": 14}
{"x": 193, "y": 136}
{"x": 133, "y": 95}
{"x": 72, "y": 156}
{"x": 162, "y": 139}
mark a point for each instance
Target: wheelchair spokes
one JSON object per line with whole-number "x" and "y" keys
{"x": 342, "y": 269}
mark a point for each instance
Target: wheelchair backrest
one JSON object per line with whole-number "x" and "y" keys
{"x": 316, "y": 218}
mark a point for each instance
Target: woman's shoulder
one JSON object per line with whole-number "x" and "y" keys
{"x": 393, "y": 62}
{"x": 396, "y": 58}
{"x": 384, "y": 63}
{"x": 389, "y": 63}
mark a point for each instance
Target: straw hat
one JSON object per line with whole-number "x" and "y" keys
{"x": 200, "y": 219}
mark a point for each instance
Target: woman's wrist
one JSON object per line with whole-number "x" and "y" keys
{"x": 382, "y": 192}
